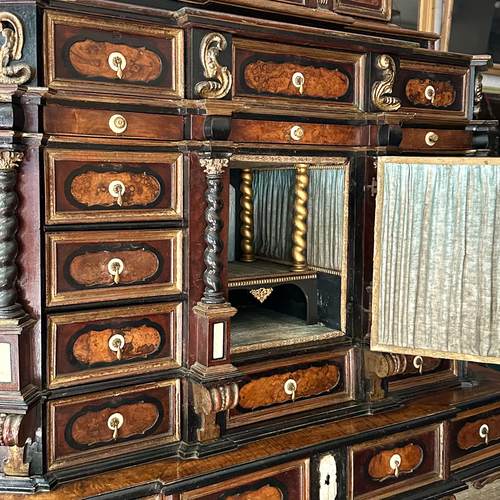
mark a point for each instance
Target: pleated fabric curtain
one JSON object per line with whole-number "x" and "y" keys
{"x": 437, "y": 257}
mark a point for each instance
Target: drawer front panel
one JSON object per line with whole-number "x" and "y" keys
{"x": 100, "y": 345}
{"x": 288, "y": 481}
{"x": 102, "y": 55}
{"x": 97, "y": 266}
{"x": 274, "y": 388}
{"x": 106, "y": 123}
{"x": 388, "y": 466}
{"x": 89, "y": 186}
{"x": 294, "y": 133}
{"x": 475, "y": 435}
{"x": 416, "y": 138}
{"x": 267, "y": 70}
{"x": 88, "y": 428}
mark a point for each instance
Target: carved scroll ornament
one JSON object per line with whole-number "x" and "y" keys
{"x": 211, "y": 45}
{"x": 10, "y": 425}
{"x": 382, "y": 89}
{"x": 11, "y": 50}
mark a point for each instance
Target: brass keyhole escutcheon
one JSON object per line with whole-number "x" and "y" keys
{"x": 117, "y": 62}
{"x": 115, "y": 421}
{"x": 298, "y": 81}
{"x": 117, "y": 190}
{"x": 115, "y": 267}
{"x": 118, "y": 124}
{"x": 291, "y": 388}
{"x": 430, "y": 93}
{"x": 297, "y": 133}
{"x": 484, "y": 431}
{"x": 395, "y": 464}
{"x": 418, "y": 363}
{"x": 117, "y": 343}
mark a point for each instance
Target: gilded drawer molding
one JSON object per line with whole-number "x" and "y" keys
{"x": 102, "y": 186}
{"x": 112, "y": 56}
{"x": 104, "y": 344}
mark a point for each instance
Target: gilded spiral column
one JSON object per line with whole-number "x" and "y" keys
{"x": 246, "y": 216}
{"x": 299, "y": 248}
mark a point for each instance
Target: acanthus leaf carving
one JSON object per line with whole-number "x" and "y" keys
{"x": 10, "y": 159}
{"x": 382, "y": 89}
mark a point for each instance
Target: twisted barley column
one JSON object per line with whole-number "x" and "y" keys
{"x": 300, "y": 218}
{"x": 211, "y": 276}
{"x": 246, "y": 216}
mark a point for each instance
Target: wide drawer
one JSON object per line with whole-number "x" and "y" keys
{"x": 281, "y": 387}
{"x": 295, "y": 133}
{"x": 92, "y": 54}
{"x": 475, "y": 435}
{"x": 288, "y": 481}
{"x": 103, "y": 186}
{"x": 110, "y": 343}
{"x": 87, "y": 428}
{"x": 385, "y": 467}
{"x": 101, "y": 266}
{"x": 62, "y": 120}
{"x": 432, "y": 139}
{"x": 283, "y": 72}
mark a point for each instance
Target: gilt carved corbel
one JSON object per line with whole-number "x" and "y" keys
{"x": 211, "y": 45}
{"x": 10, "y": 437}
{"x": 382, "y": 90}
{"x": 11, "y": 50}
{"x": 210, "y": 401}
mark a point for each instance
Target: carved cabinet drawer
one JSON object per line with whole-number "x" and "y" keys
{"x": 385, "y": 467}
{"x": 282, "y": 72}
{"x": 109, "y": 56}
{"x": 102, "y": 266}
{"x": 295, "y": 133}
{"x": 103, "y": 186}
{"x": 275, "y": 388}
{"x": 86, "y": 428}
{"x": 99, "y": 345}
{"x": 62, "y": 120}
{"x": 287, "y": 481}
{"x": 475, "y": 435}
{"x": 422, "y": 138}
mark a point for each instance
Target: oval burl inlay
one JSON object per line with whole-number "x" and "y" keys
{"x": 266, "y": 391}
{"x": 469, "y": 436}
{"x": 92, "y": 427}
{"x": 444, "y": 92}
{"x": 276, "y": 78}
{"x": 91, "y": 269}
{"x": 92, "y": 188}
{"x": 91, "y": 59}
{"x": 93, "y": 347}
{"x": 380, "y": 468}
{"x": 265, "y": 493}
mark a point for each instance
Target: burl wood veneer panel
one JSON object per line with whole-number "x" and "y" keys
{"x": 81, "y": 349}
{"x": 104, "y": 186}
{"x": 83, "y": 267}
{"x": 81, "y": 430}
{"x": 119, "y": 57}
{"x": 415, "y": 138}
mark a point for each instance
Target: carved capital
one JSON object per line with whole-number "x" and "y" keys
{"x": 382, "y": 89}
{"x": 11, "y": 50}
{"x": 10, "y": 159}
{"x": 214, "y": 166}
{"x": 211, "y": 45}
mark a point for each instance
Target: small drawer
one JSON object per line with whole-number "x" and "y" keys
{"x": 288, "y": 481}
{"x": 91, "y": 54}
{"x": 295, "y": 133}
{"x": 62, "y": 120}
{"x": 282, "y": 72}
{"x": 420, "y": 138}
{"x": 385, "y": 467}
{"x": 98, "y": 426}
{"x": 103, "y": 186}
{"x": 102, "y": 266}
{"x": 475, "y": 435}
{"x": 281, "y": 387}
{"x": 110, "y": 343}
{"x": 429, "y": 89}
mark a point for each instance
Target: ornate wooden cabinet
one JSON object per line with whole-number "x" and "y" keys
{"x": 208, "y": 213}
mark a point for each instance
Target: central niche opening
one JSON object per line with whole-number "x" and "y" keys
{"x": 286, "y": 251}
